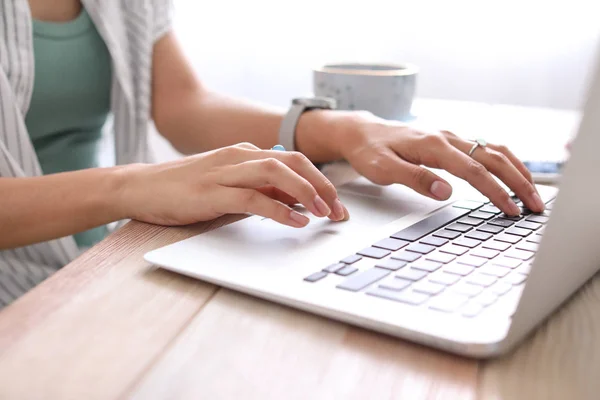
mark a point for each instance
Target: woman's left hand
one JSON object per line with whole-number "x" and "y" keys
{"x": 387, "y": 152}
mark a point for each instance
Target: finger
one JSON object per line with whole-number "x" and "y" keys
{"x": 270, "y": 171}
{"x": 500, "y": 165}
{"x": 299, "y": 164}
{"x": 459, "y": 164}
{"x": 514, "y": 160}
{"x": 279, "y": 195}
{"x": 392, "y": 169}
{"x": 239, "y": 200}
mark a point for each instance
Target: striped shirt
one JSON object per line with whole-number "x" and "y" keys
{"x": 129, "y": 28}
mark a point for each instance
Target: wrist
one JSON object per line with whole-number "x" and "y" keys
{"x": 123, "y": 181}
{"x": 323, "y": 135}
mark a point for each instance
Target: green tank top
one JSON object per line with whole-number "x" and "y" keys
{"x": 71, "y": 99}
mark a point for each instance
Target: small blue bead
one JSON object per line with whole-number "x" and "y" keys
{"x": 278, "y": 147}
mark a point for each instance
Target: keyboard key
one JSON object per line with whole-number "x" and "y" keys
{"x": 540, "y": 219}
{"x": 317, "y": 276}
{"x": 495, "y": 270}
{"x": 364, "y": 279}
{"x": 486, "y": 298}
{"x": 507, "y": 262}
{"x": 448, "y": 302}
{"x": 444, "y": 278}
{"x": 481, "y": 280}
{"x": 420, "y": 248}
{"x": 392, "y": 265}
{"x": 490, "y": 228}
{"x": 443, "y": 258}
{"x": 515, "y": 278}
{"x": 501, "y": 222}
{"x": 535, "y": 238}
{"x": 467, "y": 204}
{"x": 452, "y": 249}
{"x": 471, "y": 310}
{"x": 513, "y": 218}
{"x": 391, "y": 244}
{"x": 470, "y": 243}
{"x": 485, "y": 253}
{"x": 490, "y": 209}
{"x": 519, "y": 254}
{"x": 512, "y": 239}
{"x": 496, "y": 245}
{"x": 481, "y": 215}
{"x": 444, "y": 233}
{"x": 500, "y": 288}
{"x": 458, "y": 269}
{"x": 347, "y": 270}
{"x": 428, "y": 287}
{"x": 411, "y": 274}
{"x": 529, "y": 225}
{"x": 434, "y": 241}
{"x": 430, "y": 224}
{"x": 470, "y": 221}
{"x": 396, "y": 284}
{"x": 525, "y": 211}
{"x": 467, "y": 289}
{"x": 406, "y": 296}
{"x": 426, "y": 265}
{"x": 529, "y": 246}
{"x": 459, "y": 227}
{"x": 478, "y": 235}
{"x": 374, "y": 252}
{"x": 524, "y": 269}
{"x": 518, "y": 231}
{"x": 472, "y": 261}
{"x": 351, "y": 259}
{"x": 407, "y": 256}
{"x": 334, "y": 267}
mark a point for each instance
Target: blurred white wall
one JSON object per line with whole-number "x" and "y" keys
{"x": 524, "y": 52}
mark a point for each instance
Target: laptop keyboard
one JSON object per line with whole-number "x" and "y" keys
{"x": 467, "y": 259}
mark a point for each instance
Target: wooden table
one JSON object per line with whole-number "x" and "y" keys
{"x": 111, "y": 326}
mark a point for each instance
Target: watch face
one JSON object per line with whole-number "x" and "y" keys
{"x": 316, "y": 102}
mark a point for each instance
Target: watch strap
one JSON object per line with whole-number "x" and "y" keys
{"x": 287, "y": 131}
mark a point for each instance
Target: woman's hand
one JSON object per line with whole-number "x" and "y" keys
{"x": 230, "y": 180}
{"x": 387, "y": 152}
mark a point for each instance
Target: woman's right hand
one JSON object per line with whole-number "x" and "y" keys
{"x": 231, "y": 180}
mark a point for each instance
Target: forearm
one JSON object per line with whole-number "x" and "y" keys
{"x": 205, "y": 121}
{"x": 38, "y": 209}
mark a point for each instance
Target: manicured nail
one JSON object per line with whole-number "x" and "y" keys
{"x": 441, "y": 190}
{"x": 512, "y": 207}
{"x": 298, "y": 220}
{"x": 338, "y": 210}
{"x": 321, "y": 207}
{"x": 539, "y": 204}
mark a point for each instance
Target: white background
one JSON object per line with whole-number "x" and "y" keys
{"x": 525, "y": 52}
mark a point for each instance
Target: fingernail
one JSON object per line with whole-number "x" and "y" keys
{"x": 298, "y": 220}
{"x": 346, "y": 214}
{"x": 441, "y": 190}
{"x": 338, "y": 210}
{"x": 512, "y": 207}
{"x": 539, "y": 204}
{"x": 321, "y": 207}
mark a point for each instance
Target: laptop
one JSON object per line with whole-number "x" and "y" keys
{"x": 459, "y": 275}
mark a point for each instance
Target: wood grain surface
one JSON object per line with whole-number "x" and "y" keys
{"x": 111, "y": 326}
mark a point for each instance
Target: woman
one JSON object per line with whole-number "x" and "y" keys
{"x": 67, "y": 64}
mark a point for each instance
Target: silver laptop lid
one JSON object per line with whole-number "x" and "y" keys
{"x": 569, "y": 253}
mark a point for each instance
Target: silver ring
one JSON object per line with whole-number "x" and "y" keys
{"x": 478, "y": 143}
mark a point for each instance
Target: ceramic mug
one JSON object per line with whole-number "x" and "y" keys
{"x": 386, "y": 90}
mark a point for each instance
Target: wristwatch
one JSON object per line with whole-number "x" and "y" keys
{"x": 287, "y": 131}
